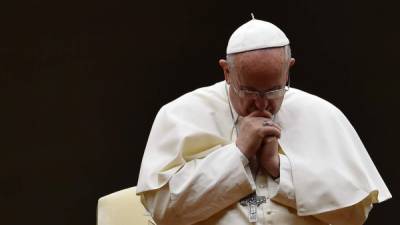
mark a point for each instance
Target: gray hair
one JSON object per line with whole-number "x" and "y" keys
{"x": 286, "y": 49}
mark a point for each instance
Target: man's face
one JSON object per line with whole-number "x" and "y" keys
{"x": 260, "y": 70}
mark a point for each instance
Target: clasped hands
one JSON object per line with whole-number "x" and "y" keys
{"x": 258, "y": 140}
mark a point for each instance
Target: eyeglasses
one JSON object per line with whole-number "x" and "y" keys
{"x": 269, "y": 95}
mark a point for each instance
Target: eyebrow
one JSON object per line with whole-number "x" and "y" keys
{"x": 244, "y": 87}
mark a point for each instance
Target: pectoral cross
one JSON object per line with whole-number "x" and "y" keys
{"x": 253, "y": 201}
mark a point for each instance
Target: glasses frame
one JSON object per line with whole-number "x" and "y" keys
{"x": 268, "y": 95}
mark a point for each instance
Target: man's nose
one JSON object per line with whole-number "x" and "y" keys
{"x": 261, "y": 103}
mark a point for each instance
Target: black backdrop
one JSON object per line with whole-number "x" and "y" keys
{"x": 82, "y": 81}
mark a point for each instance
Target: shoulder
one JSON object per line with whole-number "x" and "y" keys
{"x": 205, "y": 98}
{"x": 308, "y": 116}
{"x": 204, "y": 109}
{"x": 301, "y": 100}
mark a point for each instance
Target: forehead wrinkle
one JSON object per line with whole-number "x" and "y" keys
{"x": 260, "y": 60}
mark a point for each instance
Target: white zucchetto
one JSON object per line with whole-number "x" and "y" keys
{"x": 256, "y": 34}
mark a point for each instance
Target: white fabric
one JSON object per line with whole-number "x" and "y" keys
{"x": 198, "y": 192}
{"x": 256, "y": 34}
{"x": 207, "y": 191}
{"x": 330, "y": 167}
{"x": 122, "y": 207}
{"x": 316, "y": 133}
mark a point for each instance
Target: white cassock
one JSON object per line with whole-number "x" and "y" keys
{"x": 193, "y": 173}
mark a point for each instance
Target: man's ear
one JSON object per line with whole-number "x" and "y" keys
{"x": 291, "y": 63}
{"x": 225, "y": 68}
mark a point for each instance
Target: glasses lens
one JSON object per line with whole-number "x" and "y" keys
{"x": 250, "y": 94}
{"x": 266, "y": 95}
{"x": 275, "y": 94}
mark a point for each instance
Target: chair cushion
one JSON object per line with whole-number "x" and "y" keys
{"x": 122, "y": 208}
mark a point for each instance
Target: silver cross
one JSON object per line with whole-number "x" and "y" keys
{"x": 253, "y": 201}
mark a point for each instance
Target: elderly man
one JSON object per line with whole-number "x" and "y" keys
{"x": 252, "y": 150}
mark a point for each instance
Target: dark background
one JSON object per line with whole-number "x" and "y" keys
{"x": 81, "y": 82}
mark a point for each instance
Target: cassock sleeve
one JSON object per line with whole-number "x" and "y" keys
{"x": 285, "y": 195}
{"x": 201, "y": 188}
{"x": 283, "y": 186}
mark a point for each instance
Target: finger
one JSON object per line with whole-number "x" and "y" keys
{"x": 270, "y": 131}
{"x": 270, "y": 139}
{"x": 239, "y": 119}
{"x": 263, "y": 114}
{"x": 268, "y": 122}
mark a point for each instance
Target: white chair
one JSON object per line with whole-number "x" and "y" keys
{"x": 122, "y": 208}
